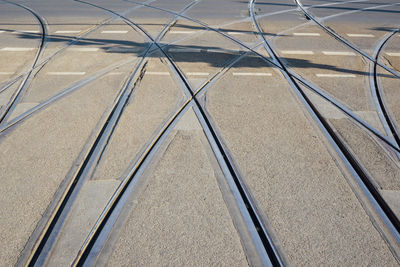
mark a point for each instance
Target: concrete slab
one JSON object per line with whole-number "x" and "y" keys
{"x": 389, "y": 87}
{"x": 151, "y": 20}
{"x": 179, "y": 217}
{"x": 198, "y": 58}
{"x": 154, "y": 101}
{"x": 284, "y": 160}
{"x": 274, "y": 25}
{"x": 219, "y": 12}
{"x": 242, "y": 31}
{"x": 91, "y": 200}
{"x": 184, "y": 212}
{"x": 5, "y": 96}
{"x": 374, "y": 23}
{"x": 58, "y": 75}
{"x": 383, "y": 169}
{"x": 37, "y": 154}
{"x": 343, "y": 77}
{"x": 22, "y": 107}
{"x": 390, "y": 55}
{"x": 392, "y": 197}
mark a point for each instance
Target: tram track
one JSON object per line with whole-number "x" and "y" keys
{"x": 257, "y": 224}
{"x": 360, "y": 175}
{"x": 297, "y": 77}
{"x": 48, "y": 235}
{"x": 74, "y": 87}
{"x": 346, "y": 42}
{"x": 347, "y": 156}
{"x": 343, "y": 152}
{"x": 212, "y": 136}
{"x": 378, "y": 94}
{"x": 16, "y": 95}
{"x": 40, "y": 64}
{"x": 390, "y": 139}
{"x": 79, "y": 83}
{"x": 121, "y": 195}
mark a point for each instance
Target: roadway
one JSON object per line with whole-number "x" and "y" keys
{"x": 199, "y": 132}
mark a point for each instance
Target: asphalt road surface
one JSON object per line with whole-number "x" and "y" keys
{"x": 198, "y": 133}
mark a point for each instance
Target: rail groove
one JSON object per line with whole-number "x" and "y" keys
{"x": 362, "y": 178}
{"x": 15, "y": 97}
{"x": 257, "y": 224}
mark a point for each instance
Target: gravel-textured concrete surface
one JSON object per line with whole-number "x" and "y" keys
{"x": 16, "y": 35}
{"x": 308, "y": 201}
{"x": 391, "y": 46}
{"x": 352, "y": 91}
{"x": 379, "y": 164}
{"x": 139, "y": 123}
{"x": 91, "y": 200}
{"x": 186, "y": 214}
{"x": 38, "y": 160}
{"x": 180, "y": 217}
{"x": 393, "y": 199}
{"x": 391, "y": 96}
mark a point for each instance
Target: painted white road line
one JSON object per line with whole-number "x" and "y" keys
{"x": 65, "y": 73}
{"x": 114, "y": 73}
{"x": 67, "y": 31}
{"x": 327, "y": 75}
{"x": 6, "y": 73}
{"x": 114, "y": 31}
{"x": 235, "y": 33}
{"x": 198, "y": 73}
{"x": 338, "y": 53}
{"x": 17, "y": 49}
{"x": 185, "y": 50}
{"x": 393, "y": 54}
{"x": 181, "y": 32}
{"x": 306, "y": 34}
{"x": 251, "y": 74}
{"x": 157, "y": 73}
{"x": 124, "y": 50}
{"x": 214, "y": 51}
{"x": 360, "y": 35}
{"x": 297, "y": 52}
{"x": 84, "y": 49}
{"x": 2, "y": 31}
{"x": 28, "y": 31}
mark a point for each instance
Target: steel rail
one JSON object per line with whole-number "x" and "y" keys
{"x": 57, "y": 218}
{"x": 360, "y": 175}
{"x": 345, "y": 41}
{"x": 71, "y": 43}
{"x": 307, "y": 84}
{"x": 14, "y": 98}
{"x": 378, "y": 94}
{"x": 91, "y": 240}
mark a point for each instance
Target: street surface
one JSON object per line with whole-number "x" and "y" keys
{"x": 198, "y": 133}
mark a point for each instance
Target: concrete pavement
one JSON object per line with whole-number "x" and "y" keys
{"x": 104, "y": 148}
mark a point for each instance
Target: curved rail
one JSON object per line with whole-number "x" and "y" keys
{"x": 14, "y": 99}
{"x": 47, "y": 238}
{"x": 378, "y": 94}
{"x": 346, "y": 42}
{"x": 258, "y": 226}
{"x": 360, "y": 175}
